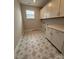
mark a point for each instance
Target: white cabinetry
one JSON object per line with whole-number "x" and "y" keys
{"x": 54, "y": 8}
{"x": 56, "y": 38}
{"x": 62, "y": 8}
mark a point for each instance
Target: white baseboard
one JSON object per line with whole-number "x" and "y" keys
{"x": 32, "y": 29}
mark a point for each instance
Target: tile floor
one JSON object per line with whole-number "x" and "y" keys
{"x": 35, "y": 46}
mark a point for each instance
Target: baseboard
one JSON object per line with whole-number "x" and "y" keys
{"x": 31, "y": 29}
{"x": 20, "y": 38}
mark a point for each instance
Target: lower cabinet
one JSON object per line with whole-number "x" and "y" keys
{"x": 48, "y": 33}
{"x": 44, "y": 28}
{"x": 56, "y": 38}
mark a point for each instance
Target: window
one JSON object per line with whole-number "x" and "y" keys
{"x": 30, "y": 14}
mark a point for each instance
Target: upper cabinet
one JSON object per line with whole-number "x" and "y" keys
{"x": 55, "y": 8}
{"x": 62, "y": 8}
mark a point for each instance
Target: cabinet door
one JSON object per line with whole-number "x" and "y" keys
{"x": 62, "y": 8}
{"x": 51, "y": 9}
{"x": 58, "y": 39}
{"x": 48, "y": 31}
{"x": 44, "y": 28}
{"x": 42, "y": 13}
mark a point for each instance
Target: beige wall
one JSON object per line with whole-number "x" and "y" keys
{"x": 31, "y": 24}
{"x": 17, "y": 22}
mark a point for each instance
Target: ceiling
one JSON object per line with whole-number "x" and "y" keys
{"x": 38, "y": 3}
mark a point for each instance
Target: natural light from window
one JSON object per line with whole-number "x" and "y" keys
{"x": 30, "y": 14}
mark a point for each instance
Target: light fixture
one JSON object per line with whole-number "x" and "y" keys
{"x": 34, "y": 1}
{"x": 50, "y": 4}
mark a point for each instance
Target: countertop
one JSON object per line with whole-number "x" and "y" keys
{"x": 59, "y": 27}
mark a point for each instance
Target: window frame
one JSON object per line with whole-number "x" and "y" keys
{"x": 28, "y": 12}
